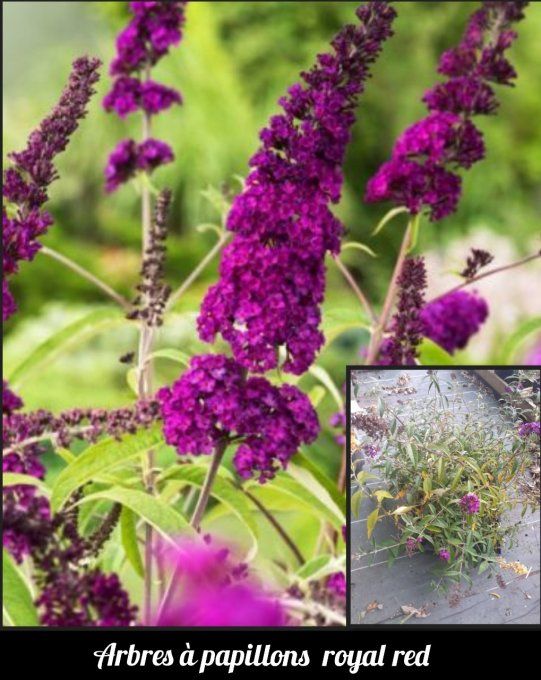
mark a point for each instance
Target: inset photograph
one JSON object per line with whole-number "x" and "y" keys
{"x": 444, "y": 495}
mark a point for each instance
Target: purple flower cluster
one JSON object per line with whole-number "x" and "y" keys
{"x": 128, "y": 157}
{"x": 450, "y": 321}
{"x": 70, "y": 595}
{"x": 32, "y": 171}
{"x": 400, "y": 348}
{"x": 422, "y": 171}
{"x": 470, "y": 504}
{"x": 153, "y": 29}
{"x": 214, "y": 401}
{"x": 85, "y": 424}
{"x": 413, "y": 544}
{"x": 93, "y": 598}
{"x": 370, "y": 451}
{"x": 272, "y": 276}
{"x": 528, "y": 429}
{"x": 26, "y": 515}
{"x": 336, "y": 583}
{"x": 444, "y": 555}
{"x": 130, "y": 94}
{"x": 213, "y": 590}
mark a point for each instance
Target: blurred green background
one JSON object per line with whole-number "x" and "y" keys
{"x": 237, "y": 58}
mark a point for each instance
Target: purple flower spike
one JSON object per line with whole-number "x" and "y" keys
{"x": 452, "y": 320}
{"x": 272, "y": 275}
{"x": 470, "y": 504}
{"x": 444, "y": 555}
{"x": 32, "y": 170}
{"x": 421, "y": 173}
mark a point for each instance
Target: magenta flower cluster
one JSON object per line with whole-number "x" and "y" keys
{"x": 444, "y": 555}
{"x": 25, "y": 514}
{"x": 90, "y": 599}
{"x": 213, "y": 590}
{"x": 128, "y": 157}
{"x": 272, "y": 276}
{"x": 336, "y": 583}
{"x": 370, "y": 451}
{"x": 528, "y": 429}
{"x": 214, "y": 401}
{"x": 470, "y": 503}
{"x": 452, "y": 320}
{"x": 413, "y": 544}
{"x": 70, "y": 595}
{"x": 153, "y": 29}
{"x": 32, "y": 170}
{"x": 422, "y": 171}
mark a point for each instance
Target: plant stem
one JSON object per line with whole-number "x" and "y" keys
{"x": 355, "y": 288}
{"x": 197, "y": 516}
{"x": 279, "y": 528}
{"x": 204, "y": 496}
{"x": 197, "y": 271}
{"x": 375, "y": 340}
{"x": 85, "y": 274}
{"x": 490, "y": 272}
{"x": 144, "y": 378}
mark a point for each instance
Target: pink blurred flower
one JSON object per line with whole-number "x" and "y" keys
{"x": 211, "y": 589}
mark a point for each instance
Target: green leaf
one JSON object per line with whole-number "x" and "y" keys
{"x": 310, "y": 481}
{"x": 17, "y": 600}
{"x": 306, "y": 499}
{"x": 65, "y": 340}
{"x": 128, "y": 534}
{"x": 356, "y": 499}
{"x": 338, "y": 320}
{"x": 168, "y": 522}
{"x": 13, "y": 478}
{"x": 225, "y": 491}
{"x": 380, "y": 494}
{"x": 388, "y": 217}
{"x": 371, "y": 522}
{"x": 517, "y": 338}
{"x": 325, "y": 379}
{"x": 302, "y": 460}
{"x": 318, "y": 567}
{"x": 431, "y": 354}
{"x": 316, "y": 394}
{"x": 172, "y": 355}
{"x": 402, "y": 510}
{"x": 355, "y": 245}
{"x": 100, "y": 458}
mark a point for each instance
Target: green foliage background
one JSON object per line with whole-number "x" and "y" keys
{"x": 236, "y": 60}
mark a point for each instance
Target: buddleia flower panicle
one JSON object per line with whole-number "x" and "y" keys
{"x": 214, "y": 402}
{"x": 31, "y": 171}
{"x": 528, "y": 429}
{"x": 421, "y": 174}
{"x": 154, "y": 292}
{"x": 152, "y": 30}
{"x": 470, "y": 503}
{"x": 272, "y": 275}
{"x": 452, "y": 320}
{"x": 401, "y": 347}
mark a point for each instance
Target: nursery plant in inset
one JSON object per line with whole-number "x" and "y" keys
{"x": 451, "y": 472}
